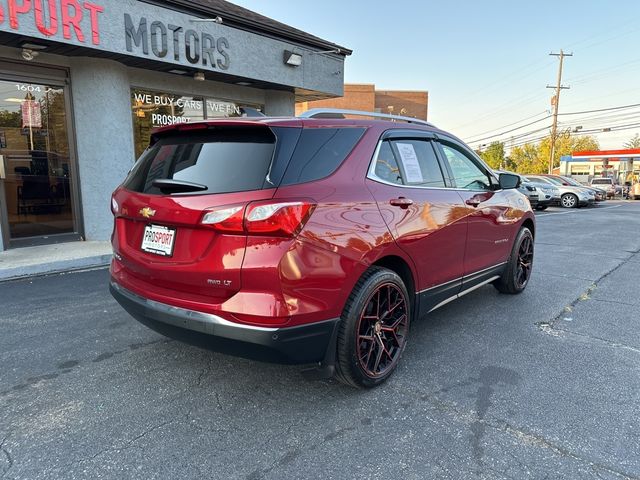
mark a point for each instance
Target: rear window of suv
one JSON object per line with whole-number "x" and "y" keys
{"x": 601, "y": 181}
{"x": 229, "y": 160}
{"x": 239, "y": 159}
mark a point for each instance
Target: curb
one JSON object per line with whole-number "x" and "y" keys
{"x": 61, "y": 266}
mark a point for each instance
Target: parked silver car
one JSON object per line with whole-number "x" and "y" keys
{"x": 570, "y": 195}
{"x": 540, "y": 195}
{"x": 548, "y": 194}
{"x": 601, "y": 194}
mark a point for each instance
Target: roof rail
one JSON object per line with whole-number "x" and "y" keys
{"x": 340, "y": 113}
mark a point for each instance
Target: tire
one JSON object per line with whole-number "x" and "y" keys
{"x": 517, "y": 273}
{"x": 371, "y": 339}
{"x": 569, "y": 200}
{"x": 541, "y": 207}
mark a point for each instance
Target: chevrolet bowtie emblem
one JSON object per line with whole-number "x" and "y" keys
{"x": 147, "y": 212}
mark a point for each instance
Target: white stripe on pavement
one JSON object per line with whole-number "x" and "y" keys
{"x": 582, "y": 210}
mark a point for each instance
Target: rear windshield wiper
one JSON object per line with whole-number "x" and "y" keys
{"x": 178, "y": 186}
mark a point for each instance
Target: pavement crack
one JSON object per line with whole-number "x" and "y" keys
{"x": 69, "y": 367}
{"x": 610, "y": 343}
{"x": 144, "y": 434}
{"x": 7, "y": 455}
{"x": 522, "y": 436}
{"x": 127, "y": 445}
{"x": 626, "y": 304}
{"x": 549, "y": 326}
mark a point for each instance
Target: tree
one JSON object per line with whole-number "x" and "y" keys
{"x": 565, "y": 145}
{"x": 634, "y": 142}
{"x": 525, "y": 159}
{"x": 494, "y": 155}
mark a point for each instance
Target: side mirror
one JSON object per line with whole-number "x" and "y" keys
{"x": 509, "y": 180}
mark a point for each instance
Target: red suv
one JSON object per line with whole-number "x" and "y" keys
{"x": 312, "y": 240}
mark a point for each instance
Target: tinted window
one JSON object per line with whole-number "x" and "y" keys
{"x": 226, "y": 160}
{"x": 386, "y": 166}
{"x": 418, "y": 163}
{"x": 466, "y": 172}
{"x": 550, "y": 180}
{"x": 601, "y": 181}
{"x": 320, "y": 151}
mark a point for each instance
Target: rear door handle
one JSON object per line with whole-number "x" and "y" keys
{"x": 472, "y": 202}
{"x": 401, "y": 202}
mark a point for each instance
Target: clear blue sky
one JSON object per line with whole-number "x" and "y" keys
{"x": 486, "y": 63}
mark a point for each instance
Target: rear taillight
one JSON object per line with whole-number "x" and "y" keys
{"x": 282, "y": 219}
{"x": 228, "y": 219}
{"x": 279, "y": 219}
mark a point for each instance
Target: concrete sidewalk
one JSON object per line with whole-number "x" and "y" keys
{"x": 41, "y": 260}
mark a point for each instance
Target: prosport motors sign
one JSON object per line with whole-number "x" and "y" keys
{"x": 81, "y": 21}
{"x": 54, "y": 18}
{"x": 134, "y": 28}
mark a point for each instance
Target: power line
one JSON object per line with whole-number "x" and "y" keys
{"x": 602, "y": 109}
{"x": 509, "y": 131}
{"x": 520, "y": 135}
{"x": 509, "y": 124}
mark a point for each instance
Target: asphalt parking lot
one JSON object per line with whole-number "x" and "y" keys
{"x": 541, "y": 385}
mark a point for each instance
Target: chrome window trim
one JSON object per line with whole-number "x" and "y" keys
{"x": 371, "y": 175}
{"x": 464, "y": 292}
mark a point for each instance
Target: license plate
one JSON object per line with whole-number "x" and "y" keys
{"x": 158, "y": 240}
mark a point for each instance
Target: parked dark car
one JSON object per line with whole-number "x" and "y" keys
{"x": 312, "y": 240}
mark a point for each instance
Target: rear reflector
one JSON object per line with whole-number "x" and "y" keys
{"x": 260, "y": 218}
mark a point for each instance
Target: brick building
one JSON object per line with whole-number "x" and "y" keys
{"x": 365, "y": 97}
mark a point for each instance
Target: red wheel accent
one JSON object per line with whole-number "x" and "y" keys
{"x": 382, "y": 329}
{"x": 525, "y": 261}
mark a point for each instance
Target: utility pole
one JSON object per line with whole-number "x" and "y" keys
{"x": 556, "y": 104}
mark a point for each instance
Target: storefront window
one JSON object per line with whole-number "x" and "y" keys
{"x": 155, "y": 109}
{"x": 35, "y": 162}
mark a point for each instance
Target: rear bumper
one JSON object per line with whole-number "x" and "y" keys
{"x": 294, "y": 345}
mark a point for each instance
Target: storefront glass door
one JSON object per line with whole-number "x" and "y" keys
{"x": 35, "y": 161}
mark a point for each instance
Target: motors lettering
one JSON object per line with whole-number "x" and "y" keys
{"x": 51, "y": 15}
{"x": 162, "y": 40}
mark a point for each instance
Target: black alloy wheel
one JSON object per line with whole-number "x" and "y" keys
{"x": 374, "y": 329}
{"x": 517, "y": 272}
